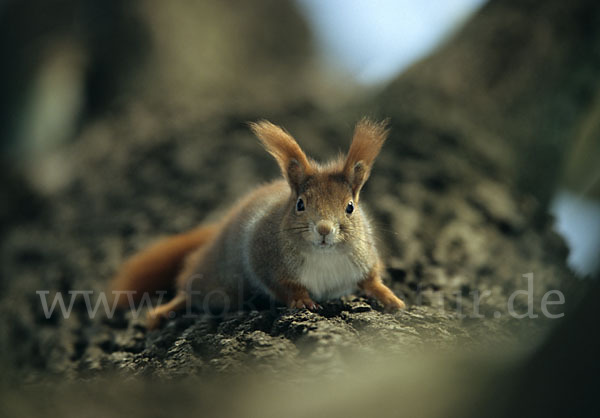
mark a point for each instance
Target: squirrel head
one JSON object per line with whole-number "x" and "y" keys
{"x": 323, "y": 207}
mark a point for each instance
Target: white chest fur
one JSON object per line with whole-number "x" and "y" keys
{"x": 329, "y": 274}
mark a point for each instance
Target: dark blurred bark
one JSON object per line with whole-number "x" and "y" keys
{"x": 196, "y": 56}
{"x": 518, "y": 88}
{"x": 560, "y": 378}
{"x": 517, "y": 82}
{"x": 104, "y": 41}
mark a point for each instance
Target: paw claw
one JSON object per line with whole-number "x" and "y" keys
{"x": 316, "y": 307}
{"x": 305, "y": 304}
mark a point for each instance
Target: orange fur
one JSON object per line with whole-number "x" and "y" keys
{"x": 155, "y": 268}
{"x": 367, "y": 141}
{"x": 286, "y": 151}
{"x": 374, "y": 287}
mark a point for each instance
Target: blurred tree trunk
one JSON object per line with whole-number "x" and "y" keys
{"x": 517, "y": 88}
{"x": 515, "y": 84}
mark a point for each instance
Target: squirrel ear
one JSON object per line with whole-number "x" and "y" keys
{"x": 286, "y": 151}
{"x": 367, "y": 141}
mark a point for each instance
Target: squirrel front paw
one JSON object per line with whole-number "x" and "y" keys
{"x": 305, "y": 303}
{"x": 373, "y": 287}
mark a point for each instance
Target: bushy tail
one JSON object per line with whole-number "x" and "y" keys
{"x": 155, "y": 268}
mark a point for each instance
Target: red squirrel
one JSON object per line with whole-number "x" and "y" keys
{"x": 299, "y": 240}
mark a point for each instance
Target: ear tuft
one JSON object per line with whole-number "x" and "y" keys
{"x": 367, "y": 141}
{"x": 283, "y": 147}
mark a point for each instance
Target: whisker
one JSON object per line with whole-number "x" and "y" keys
{"x": 380, "y": 228}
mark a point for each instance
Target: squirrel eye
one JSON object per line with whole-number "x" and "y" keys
{"x": 350, "y": 207}
{"x": 300, "y": 205}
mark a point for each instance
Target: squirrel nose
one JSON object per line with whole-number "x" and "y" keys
{"x": 325, "y": 228}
